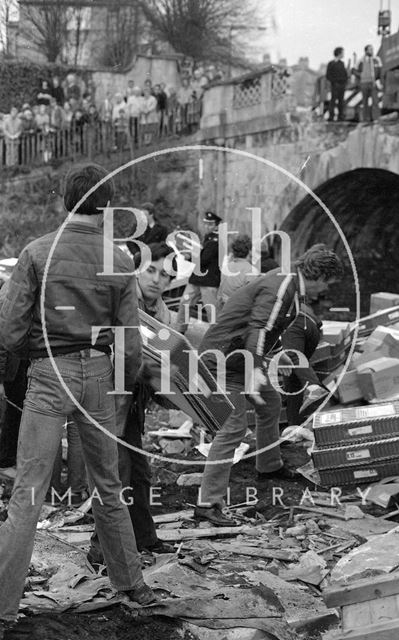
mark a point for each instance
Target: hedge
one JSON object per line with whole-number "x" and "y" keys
{"x": 20, "y": 81}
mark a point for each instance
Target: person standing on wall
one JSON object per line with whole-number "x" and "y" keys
{"x": 369, "y": 74}
{"x": 337, "y": 76}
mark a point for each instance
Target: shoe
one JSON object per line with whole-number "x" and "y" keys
{"x": 142, "y": 595}
{"x": 215, "y": 516}
{"x": 159, "y": 547}
{"x": 284, "y": 473}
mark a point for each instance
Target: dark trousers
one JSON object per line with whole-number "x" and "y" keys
{"x": 15, "y": 392}
{"x": 135, "y": 475}
{"x": 369, "y": 93}
{"x": 337, "y": 96}
{"x": 294, "y": 402}
{"x": 135, "y": 472}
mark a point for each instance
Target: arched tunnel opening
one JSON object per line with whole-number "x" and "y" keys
{"x": 365, "y": 204}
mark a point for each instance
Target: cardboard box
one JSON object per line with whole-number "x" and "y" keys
{"x": 332, "y": 363}
{"x": 383, "y": 339}
{"x": 348, "y": 390}
{"x": 386, "y": 318}
{"x": 361, "y": 359}
{"x": 383, "y": 300}
{"x": 379, "y": 379}
{"x": 356, "y": 424}
{"x": 384, "y": 494}
{"x": 359, "y": 474}
{"x": 335, "y": 332}
{"x": 351, "y": 454}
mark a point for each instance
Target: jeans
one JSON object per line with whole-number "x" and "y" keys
{"x": 77, "y": 480}
{"x": 135, "y": 475}
{"x": 46, "y": 407}
{"x": 216, "y": 476}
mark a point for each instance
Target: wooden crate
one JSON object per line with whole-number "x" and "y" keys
{"x": 369, "y": 608}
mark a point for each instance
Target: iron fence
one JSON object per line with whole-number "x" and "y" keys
{"x": 88, "y": 140}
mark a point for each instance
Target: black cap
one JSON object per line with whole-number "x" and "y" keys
{"x": 209, "y": 216}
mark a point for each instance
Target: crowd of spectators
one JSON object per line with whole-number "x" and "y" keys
{"x": 64, "y": 119}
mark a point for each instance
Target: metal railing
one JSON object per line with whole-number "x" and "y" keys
{"x": 100, "y": 138}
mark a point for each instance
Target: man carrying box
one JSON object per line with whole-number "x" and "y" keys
{"x": 251, "y": 324}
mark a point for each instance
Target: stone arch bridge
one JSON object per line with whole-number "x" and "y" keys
{"x": 352, "y": 167}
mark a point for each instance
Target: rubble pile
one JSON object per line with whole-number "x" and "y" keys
{"x": 261, "y": 576}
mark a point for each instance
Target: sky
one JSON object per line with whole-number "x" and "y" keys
{"x": 313, "y": 28}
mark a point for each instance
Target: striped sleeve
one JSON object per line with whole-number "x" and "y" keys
{"x": 270, "y": 316}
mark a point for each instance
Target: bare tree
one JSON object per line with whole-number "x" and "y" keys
{"x": 77, "y": 32}
{"x": 202, "y": 29}
{"x": 124, "y": 23}
{"x": 45, "y": 25}
{"x": 8, "y": 10}
{"x": 56, "y": 28}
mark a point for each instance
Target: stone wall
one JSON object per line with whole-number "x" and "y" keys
{"x": 311, "y": 151}
{"x": 157, "y": 68}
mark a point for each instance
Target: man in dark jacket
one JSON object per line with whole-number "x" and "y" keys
{"x": 154, "y": 232}
{"x": 338, "y": 77}
{"x": 204, "y": 287}
{"x": 241, "y": 343}
{"x": 58, "y": 293}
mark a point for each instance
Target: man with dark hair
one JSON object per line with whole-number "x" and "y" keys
{"x": 57, "y": 286}
{"x": 154, "y": 232}
{"x": 251, "y": 324}
{"x": 134, "y": 470}
{"x": 240, "y": 270}
{"x": 369, "y": 74}
{"x": 338, "y": 77}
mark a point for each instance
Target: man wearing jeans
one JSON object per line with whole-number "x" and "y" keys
{"x": 76, "y": 296}
{"x": 244, "y": 336}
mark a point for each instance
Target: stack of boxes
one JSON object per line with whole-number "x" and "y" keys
{"x": 360, "y": 444}
{"x": 357, "y": 445}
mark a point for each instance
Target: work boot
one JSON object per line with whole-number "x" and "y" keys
{"x": 143, "y": 595}
{"x": 283, "y": 473}
{"x": 215, "y": 516}
{"x": 159, "y": 547}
